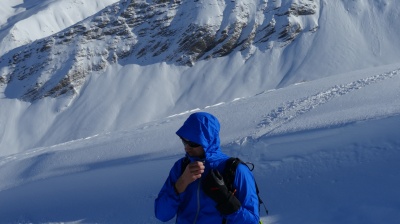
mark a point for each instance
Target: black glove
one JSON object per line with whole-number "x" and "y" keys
{"x": 214, "y": 186}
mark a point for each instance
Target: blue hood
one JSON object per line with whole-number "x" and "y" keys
{"x": 202, "y": 128}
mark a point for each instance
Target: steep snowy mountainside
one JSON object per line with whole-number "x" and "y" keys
{"x": 184, "y": 32}
{"x": 138, "y": 61}
{"x": 351, "y": 35}
{"x": 145, "y": 33}
{"x": 22, "y": 22}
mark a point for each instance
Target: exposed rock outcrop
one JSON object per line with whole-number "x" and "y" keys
{"x": 143, "y": 33}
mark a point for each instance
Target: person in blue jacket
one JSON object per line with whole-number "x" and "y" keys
{"x": 197, "y": 193}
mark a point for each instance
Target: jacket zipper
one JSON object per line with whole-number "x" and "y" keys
{"x": 198, "y": 203}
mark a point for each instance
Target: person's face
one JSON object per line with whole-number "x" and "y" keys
{"x": 193, "y": 149}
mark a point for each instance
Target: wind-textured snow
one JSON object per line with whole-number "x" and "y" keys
{"x": 337, "y": 37}
{"x": 319, "y": 118}
{"x": 325, "y": 151}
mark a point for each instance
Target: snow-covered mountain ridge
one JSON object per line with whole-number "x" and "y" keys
{"x": 22, "y": 22}
{"x": 137, "y": 61}
{"x": 144, "y": 33}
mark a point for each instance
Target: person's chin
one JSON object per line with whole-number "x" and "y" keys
{"x": 191, "y": 154}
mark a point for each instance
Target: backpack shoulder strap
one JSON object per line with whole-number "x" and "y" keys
{"x": 230, "y": 171}
{"x": 229, "y": 176}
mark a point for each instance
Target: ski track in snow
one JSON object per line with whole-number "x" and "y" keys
{"x": 292, "y": 109}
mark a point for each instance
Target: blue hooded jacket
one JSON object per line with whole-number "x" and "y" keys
{"x": 193, "y": 205}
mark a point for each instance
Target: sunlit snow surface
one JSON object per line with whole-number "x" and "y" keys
{"x": 325, "y": 151}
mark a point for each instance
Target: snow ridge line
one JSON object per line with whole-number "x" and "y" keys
{"x": 291, "y": 109}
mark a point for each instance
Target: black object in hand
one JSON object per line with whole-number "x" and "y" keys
{"x": 214, "y": 186}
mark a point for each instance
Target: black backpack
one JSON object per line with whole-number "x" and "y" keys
{"x": 229, "y": 174}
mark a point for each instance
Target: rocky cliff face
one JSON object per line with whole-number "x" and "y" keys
{"x": 135, "y": 31}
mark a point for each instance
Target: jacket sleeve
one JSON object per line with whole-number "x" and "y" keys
{"x": 167, "y": 203}
{"x": 247, "y": 195}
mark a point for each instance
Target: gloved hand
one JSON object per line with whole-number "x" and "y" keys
{"x": 214, "y": 186}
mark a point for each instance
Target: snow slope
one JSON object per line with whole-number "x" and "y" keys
{"x": 342, "y": 36}
{"x": 325, "y": 151}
